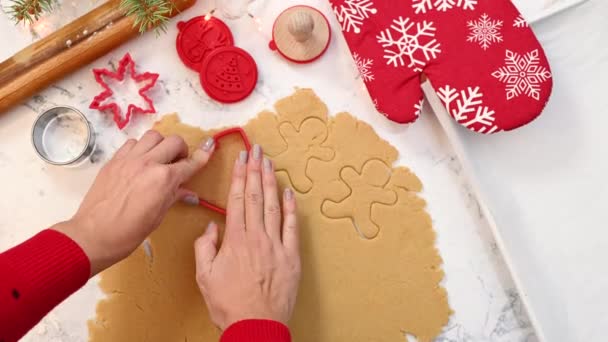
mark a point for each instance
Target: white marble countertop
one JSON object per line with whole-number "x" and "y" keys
{"x": 36, "y": 195}
{"x": 545, "y": 184}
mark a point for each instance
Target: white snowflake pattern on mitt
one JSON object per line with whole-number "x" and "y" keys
{"x": 418, "y": 108}
{"x": 520, "y": 22}
{"x": 422, "y": 6}
{"x": 364, "y": 67}
{"x": 522, "y": 74}
{"x": 352, "y": 13}
{"x": 485, "y": 31}
{"x": 409, "y": 43}
{"x": 467, "y": 108}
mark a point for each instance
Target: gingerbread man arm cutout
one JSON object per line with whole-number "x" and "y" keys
{"x": 302, "y": 146}
{"x": 367, "y": 189}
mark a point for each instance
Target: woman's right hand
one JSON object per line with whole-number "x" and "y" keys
{"x": 131, "y": 195}
{"x": 256, "y": 272}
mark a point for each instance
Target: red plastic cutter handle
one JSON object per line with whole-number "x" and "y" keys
{"x": 218, "y": 136}
{"x": 211, "y": 206}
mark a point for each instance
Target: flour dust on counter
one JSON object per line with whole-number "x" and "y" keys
{"x": 371, "y": 271}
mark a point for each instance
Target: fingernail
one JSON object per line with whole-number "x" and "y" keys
{"x": 191, "y": 200}
{"x": 243, "y": 157}
{"x": 211, "y": 229}
{"x": 208, "y": 145}
{"x": 288, "y": 194}
{"x": 267, "y": 164}
{"x": 257, "y": 152}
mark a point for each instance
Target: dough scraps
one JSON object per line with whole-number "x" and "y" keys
{"x": 370, "y": 270}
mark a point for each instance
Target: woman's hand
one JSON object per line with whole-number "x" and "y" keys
{"x": 256, "y": 272}
{"x": 131, "y": 195}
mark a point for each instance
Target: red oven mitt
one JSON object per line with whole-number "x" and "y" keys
{"x": 481, "y": 57}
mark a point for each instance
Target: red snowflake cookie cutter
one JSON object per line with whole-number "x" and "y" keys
{"x": 124, "y": 65}
{"x": 217, "y": 137}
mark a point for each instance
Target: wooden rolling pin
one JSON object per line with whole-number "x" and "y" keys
{"x": 66, "y": 50}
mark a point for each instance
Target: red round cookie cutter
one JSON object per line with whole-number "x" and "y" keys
{"x": 229, "y": 74}
{"x": 217, "y": 137}
{"x": 198, "y": 37}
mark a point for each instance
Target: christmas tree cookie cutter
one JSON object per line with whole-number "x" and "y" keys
{"x": 126, "y": 64}
{"x": 229, "y": 74}
{"x": 205, "y": 44}
{"x": 218, "y": 137}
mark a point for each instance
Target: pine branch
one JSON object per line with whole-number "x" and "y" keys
{"x": 149, "y": 14}
{"x": 30, "y": 10}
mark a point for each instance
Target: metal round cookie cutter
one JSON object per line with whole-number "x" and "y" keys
{"x": 63, "y": 136}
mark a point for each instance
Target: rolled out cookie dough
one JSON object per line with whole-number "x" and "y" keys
{"x": 370, "y": 268}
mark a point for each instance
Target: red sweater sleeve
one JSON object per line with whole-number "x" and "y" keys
{"x": 256, "y": 330}
{"x": 36, "y": 276}
{"x": 40, "y": 273}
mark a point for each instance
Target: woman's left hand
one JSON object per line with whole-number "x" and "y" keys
{"x": 131, "y": 195}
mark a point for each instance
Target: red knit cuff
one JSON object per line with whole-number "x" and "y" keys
{"x": 256, "y": 330}
{"x": 48, "y": 268}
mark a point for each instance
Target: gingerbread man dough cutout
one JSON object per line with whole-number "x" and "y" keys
{"x": 367, "y": 188}
{"x": 154, "y": 299}
{"x": 302, "y": 146}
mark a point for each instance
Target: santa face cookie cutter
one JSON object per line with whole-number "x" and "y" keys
{"x": 198, "y": 37}
{"x": 217, "y": 137}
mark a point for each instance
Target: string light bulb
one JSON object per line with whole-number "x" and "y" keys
{"x": 243, "y": 9}
{"x": 232, "y": 9}
{"x": 209, "y": 15}
{"x": 257, "y": 21}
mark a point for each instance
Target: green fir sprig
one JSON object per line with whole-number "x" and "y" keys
{"x": 30, "y": 10}
{"x": 147, "y": 14}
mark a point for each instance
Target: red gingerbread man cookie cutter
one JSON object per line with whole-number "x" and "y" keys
{"x": 217, "y": 137}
